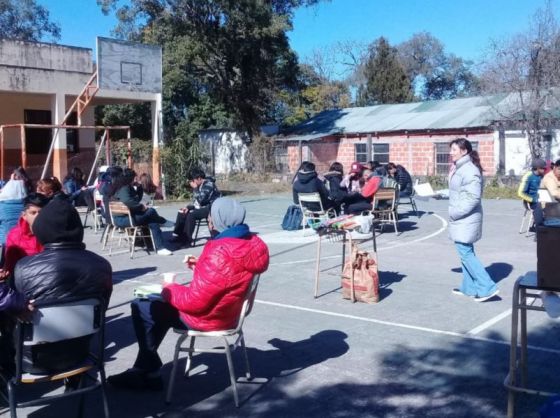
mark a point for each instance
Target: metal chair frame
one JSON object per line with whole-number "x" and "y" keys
{"x": 235, "y": 334}
{"x": 389, "y": 213}
{"x": 85, "y": 317}
{"x": 314, "y": 199}
{"x": 527, "y": 219}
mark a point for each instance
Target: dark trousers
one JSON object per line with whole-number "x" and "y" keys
{"x": 186, "y": 222}
{"x": 537, "y": 213}
{"x": 152, "y": 319}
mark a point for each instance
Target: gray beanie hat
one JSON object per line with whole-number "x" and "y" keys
{"x": 226, "y": 213}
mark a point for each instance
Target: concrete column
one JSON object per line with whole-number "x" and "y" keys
{"x": 60, "y": 158}
{"x": 157, "y": 137}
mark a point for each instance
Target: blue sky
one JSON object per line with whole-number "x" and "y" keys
{"x": 464, "y": 26}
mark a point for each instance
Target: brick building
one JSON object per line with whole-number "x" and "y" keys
{"x": 416, "y": 135}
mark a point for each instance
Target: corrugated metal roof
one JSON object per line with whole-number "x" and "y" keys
{"x": 472, "y": 112}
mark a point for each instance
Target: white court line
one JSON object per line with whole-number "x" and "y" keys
{"x": 390, "y": 247}
{"x": 490, "y": 322}
{"x": 412, "y": 327}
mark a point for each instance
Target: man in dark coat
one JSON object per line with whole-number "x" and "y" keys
{"x": 65, "y": 269}
{"x": 307, "y": 181}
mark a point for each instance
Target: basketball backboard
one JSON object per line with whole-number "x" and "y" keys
{"x": 128, "y": 66}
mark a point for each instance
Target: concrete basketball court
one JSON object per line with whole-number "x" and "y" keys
{"x": 420, "y": 352}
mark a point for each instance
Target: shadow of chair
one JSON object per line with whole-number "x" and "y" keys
{"x": 57, "y": 324}
{"x": 236, "y": 334}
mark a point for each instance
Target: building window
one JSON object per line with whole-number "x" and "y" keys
{"x": 380, "y": 152}
{"x": 72, "y": 135}
{"x": 360, "y": 151}
{"x": 442, "y": 158}
{"x": 37, "y": 140}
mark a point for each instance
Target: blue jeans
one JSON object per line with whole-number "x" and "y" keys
{"x": 152, "y": 319}
{"x": 476, "y": 280}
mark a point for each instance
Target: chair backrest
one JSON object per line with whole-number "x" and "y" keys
{"x": 63, "y": 321}
{"x": 311, "y": 202}
{"x": 119, "y": 209}
{"x": 385, "y": 194}
{"x": 248, "y": 301}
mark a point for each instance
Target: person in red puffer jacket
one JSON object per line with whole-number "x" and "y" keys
{"x": 21, "y": 241}
{"x": 212, "y": 301}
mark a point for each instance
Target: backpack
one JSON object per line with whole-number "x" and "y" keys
{"x": 292, "y": 219}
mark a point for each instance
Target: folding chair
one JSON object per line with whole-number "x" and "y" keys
{"x": 409, "y": 200}
{"x": 199, "y": 223}
{"x": 55, "y": 323}
{"x": 95, "y": 213}
{"x": 236, "y": 334}
{"x": 131, "y": 232}
{"x": 312, "y": 208}
{"x": 385, "y": 207}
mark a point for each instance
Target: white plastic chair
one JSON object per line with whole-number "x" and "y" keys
{"x": 312, "y": 208}
{"x": 54, "y": 323}
{"x": 231, "y": 338}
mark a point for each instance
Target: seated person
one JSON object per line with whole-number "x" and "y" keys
{"x": 104, "y": 186}
{"x": 307, "y": 181}
{"x": 142, "y": 215}
{"x": 337, "y": 193}
{"x": 51, "y": 188}
{"x": 149, "y": 189}
{"x": 399, "y": 174}
{"x": 21, "y": 241}
{"x": 378, "y": 169}
{"x": 63, "y": 270}
{"x": 77, "y": 190}
{"x": 205, "y": 193}
{"x": 352, "y": 180}
{"x": 11, "y": 204}
{"x": 212, "y": 301}
{"x": 529, "y": 189}
{"x": 551, "y": 181}
{"x": 355, "y": 202}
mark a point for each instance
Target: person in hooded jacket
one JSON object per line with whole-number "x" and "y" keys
{"x": 307, "y": 181}
{"x": 63, "y": 270}
{"x": 337, "y": 193}
{"x": 11, "y": 204}
{"x": 212, "y": 301}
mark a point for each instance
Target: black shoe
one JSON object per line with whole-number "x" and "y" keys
{"x": 179, "y": 239}
{"x": 135, "y": 379}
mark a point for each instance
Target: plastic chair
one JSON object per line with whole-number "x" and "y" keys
{"x": 223, "y": 335}
{"x": 527, "y": 219}
{"x": 131, "y": 232}
{"x": 385, "y": 207}
{"x": 55, "y": 323}
{"x": 312, "y": 208}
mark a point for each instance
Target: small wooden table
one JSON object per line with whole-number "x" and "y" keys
{"x": 346, "y": 237}
{"x": 525, "y": 286}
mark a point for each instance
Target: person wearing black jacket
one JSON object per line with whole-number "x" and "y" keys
{"x": 142, "y": 215}
{"x": 205, "y": 193}
{"x": 402, "y": 177}
{"x": 307, "y": 181}
{"x": 337, "y": 193}
{"x": 65, "y": 269}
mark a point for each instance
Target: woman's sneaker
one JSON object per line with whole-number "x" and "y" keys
{"x": 164, "y": 251}
{"x": 457, "y": 291}
{"x": 485, "y": 298}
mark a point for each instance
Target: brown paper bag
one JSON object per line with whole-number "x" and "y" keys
{"x": 360, "y": 279}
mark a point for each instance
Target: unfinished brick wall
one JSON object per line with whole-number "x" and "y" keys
{"x": 415, "y": 152}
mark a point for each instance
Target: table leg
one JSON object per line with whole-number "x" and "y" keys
{"x": 523, "y": 338}
{"x": 317, "y": 266}
{"x": 343, "y": 250}
{"x": 513, "y": 349}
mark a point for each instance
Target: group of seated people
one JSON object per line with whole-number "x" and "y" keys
{"x": 46, "y": 261}
{"x": 352, "y": 193}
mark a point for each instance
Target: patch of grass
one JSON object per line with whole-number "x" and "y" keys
{"x": 500, "y": 192}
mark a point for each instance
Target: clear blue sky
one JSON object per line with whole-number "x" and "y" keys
{"x": 464, "y": 26}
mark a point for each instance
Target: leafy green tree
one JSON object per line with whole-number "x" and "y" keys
{"x": 27, "y": 21}
{"x": 434, "y": 73}
{"x": 385, "y": 78}
{"x": 137, "y": 116}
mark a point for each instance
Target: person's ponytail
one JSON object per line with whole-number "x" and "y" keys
{"x": 475, "y": 158}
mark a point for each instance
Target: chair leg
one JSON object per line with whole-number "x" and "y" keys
{"x": 244, "y": 348}
{"x": 132, "y": 242}
{"x": 530, "y": 223}
{"x": 174, "y": 368}
{"x": 103, "y": 379}
{"x": 231, "y": 372}
{"x": 413, "y": 204}
{"x": 82, "y": 396}
{"x": 195, "y": 236}
{"x": 12, "y": 400}
{"x": 188, "y": 363}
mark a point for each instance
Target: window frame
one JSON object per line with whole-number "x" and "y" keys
{"x": 381, "y": 156}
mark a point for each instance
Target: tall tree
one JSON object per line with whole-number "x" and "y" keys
{"x": 27, "y": 21}
{"x": 434, "y": 73}
{"x": 528, "y": 66}
{"x": 386, "y": 79}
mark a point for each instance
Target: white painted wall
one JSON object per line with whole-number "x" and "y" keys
{"x": 229, "y": 150}
{"x": 518, "y": 156}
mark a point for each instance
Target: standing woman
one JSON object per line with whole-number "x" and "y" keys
{"x": 465, "y": 219}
